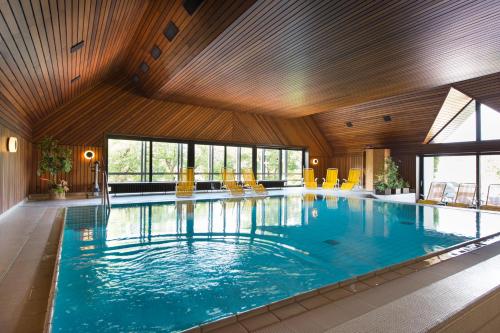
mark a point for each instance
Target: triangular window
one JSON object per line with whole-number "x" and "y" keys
{"x": 456, "y": 120}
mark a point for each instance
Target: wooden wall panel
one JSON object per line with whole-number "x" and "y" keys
{"x": 80, "y": 178}
{"x": 346, "y": 161}
{"x": 15, "y": 170}
{"x": 114, "y": 108}
{"x": 407, "y": 167}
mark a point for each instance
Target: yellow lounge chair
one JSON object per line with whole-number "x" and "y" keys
{"x": 249, "y": 181}
{"x": 435, "y": 195}
{"x": 332, "y": 179}
{"x": 229, "y": 182}
{"x": 465, "y": 196}
{"x": 353, "y": 179}
{"x": 185, "y": 186}
{"x": 493, "y": 198}
{"x": 309, "y": 181}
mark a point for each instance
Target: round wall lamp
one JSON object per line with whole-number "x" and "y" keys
{"x": 315, "y": 161}
{"x": 89, "y": 154}
{"x": 12, "y": 144}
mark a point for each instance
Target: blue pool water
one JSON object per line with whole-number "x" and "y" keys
{"x": 171, "y": 266}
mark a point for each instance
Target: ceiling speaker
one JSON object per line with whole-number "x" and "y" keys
{"x": 155, "y": 52}
{"x": 349, "y": 124}
{"x": 144, "y": 67}
{"x": 171, "y": 31}
{"x": 191, "y": 5}
{"x": 387, "y": 118}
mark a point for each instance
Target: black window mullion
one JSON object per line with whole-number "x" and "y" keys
{"x": 150, "y": 161}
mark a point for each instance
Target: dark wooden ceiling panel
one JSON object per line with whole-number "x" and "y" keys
{"x": 413, "y": 115}
{"x": 193, "y": 33}
{"x": 295, "y": 58}
{"x": 37, "y": 67}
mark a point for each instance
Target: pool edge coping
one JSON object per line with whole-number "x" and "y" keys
{"x": 47, "y": 326}
{"x": 430, "y": 259}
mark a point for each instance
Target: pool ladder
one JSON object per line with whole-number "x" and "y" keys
{"x": 106, "y": 204}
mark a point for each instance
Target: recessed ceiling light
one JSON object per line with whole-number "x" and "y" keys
{"x": 171, "y": 31}
{"x": 387, "y": 118}
{"x": 191, "y": 5}
{"x": 77, "y": 46}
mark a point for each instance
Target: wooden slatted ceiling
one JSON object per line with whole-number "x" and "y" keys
{"x": 36, "y": 66}
{"x": 294, "y": 58}
{"x": 116, "y": 108}
{"x": 412, "y": 116}
{"x": 195, "y": 33}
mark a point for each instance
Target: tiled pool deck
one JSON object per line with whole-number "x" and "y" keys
{"x": 415, "y": 296}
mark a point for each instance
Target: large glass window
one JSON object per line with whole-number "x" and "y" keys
{"x": 268, "y": 164}
{"x": 202, "y": 162}
{"x": 490, "y": 173}
{"x": 450, "y": 169}
{"x": 490, "y": 123}
{"x": 292, "y": 166}
{"x": 168, "y": 159}
{"x": 149, "y": 160}
{"x": 128, "y": 160}
{"x": 218, "y": 162}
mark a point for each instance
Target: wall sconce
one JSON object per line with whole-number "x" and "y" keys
{"x": 89, "y": 154}
{"x": 12, "y": 144}
{"x": 315, "y": 161}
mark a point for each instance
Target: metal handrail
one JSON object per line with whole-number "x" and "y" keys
{"x": 106, "y": 203}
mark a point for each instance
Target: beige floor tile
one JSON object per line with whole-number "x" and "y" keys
{"x": 338, "y": 293}
{"x": 374, "y": 281}
{"x": 314, "y": 302}
{"x": 233, "y": 328}
{"x": 389, "y": 276}
{"x": 259, "y": 321}
{"x": 404, "y": 271}
{"x": 289, "y": 311}
{"x": 356, "y": 287}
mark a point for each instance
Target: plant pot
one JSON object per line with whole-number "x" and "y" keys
{"x": 53, "y": 195}
{"x": 396, "y": 191}
{"x": 383, "y": 192}
{"x": 406, "y": 190}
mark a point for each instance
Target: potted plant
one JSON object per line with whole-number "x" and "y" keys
{"x": 406, "y": 187}
{"x": 390, "y": 182}
{"x": 382, "y": 188}
{"x": 54, "y": 159}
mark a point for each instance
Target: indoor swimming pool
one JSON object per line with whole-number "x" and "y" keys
{"x": 171, "y": 266}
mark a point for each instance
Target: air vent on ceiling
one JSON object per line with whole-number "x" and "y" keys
{"x": 191, "y": 5}
{"x": 349, "y": 124}
{"x": 155, "y": 52}
{"x": 144, "y": 67}
{"x": 135, "y": 78}
{"x": 77, "y": 46}
{"x": 387, "y": 118}
{"x": 171, "y": 31}
{"x": 76, "y": 78}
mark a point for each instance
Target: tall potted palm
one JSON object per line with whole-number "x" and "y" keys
{"x": 54, "y": 160}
